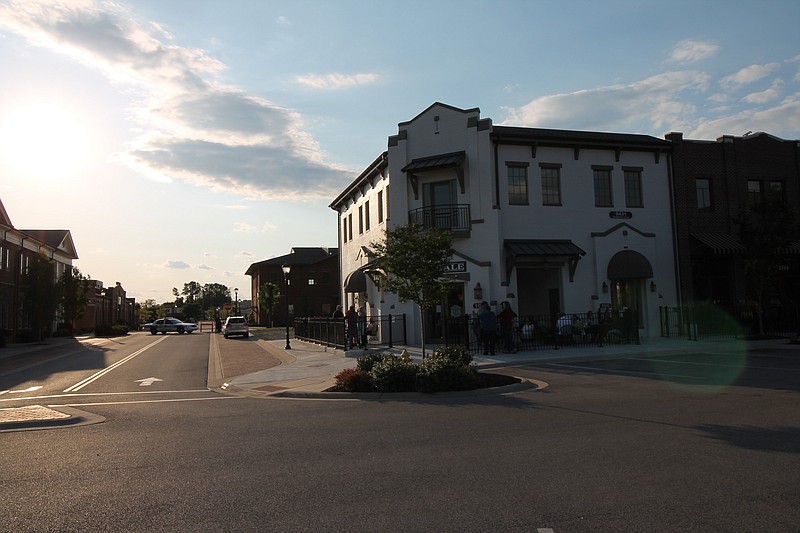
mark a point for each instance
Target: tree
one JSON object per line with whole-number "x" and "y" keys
{"x": 216, "y": 295}
{"x": 40, "y": 294}
{"x": 268, "y": 297}
{"x": 766, "y": 229}
{"x": 414, "y": 260}
{"x": 148, "y": 311}
{"x": 192, "y": 291}
{"x": 74, "y": 290}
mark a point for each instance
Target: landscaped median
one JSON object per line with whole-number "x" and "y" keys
{"x": 445, "y": 370}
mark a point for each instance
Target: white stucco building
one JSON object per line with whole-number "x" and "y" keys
{"x": 550, "y": 220}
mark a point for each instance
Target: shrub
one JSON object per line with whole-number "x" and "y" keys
{"x": 456, "y": 354}
{"x": 443, "y": 373}
{"x": 353, "y": 380}
{"x": 368, "y": 361}
{"x": 393, "y": 374}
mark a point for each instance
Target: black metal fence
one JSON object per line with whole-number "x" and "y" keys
{"x": 713, "y": 322}
{"x": 546, "y": 331}
{"x": 376, "y": 331}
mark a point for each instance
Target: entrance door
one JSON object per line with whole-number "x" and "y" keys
{"x": 444, "y": 321}
{"x": 630, "y": 294}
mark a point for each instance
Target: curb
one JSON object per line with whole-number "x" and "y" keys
{"x": 35, "y": 417}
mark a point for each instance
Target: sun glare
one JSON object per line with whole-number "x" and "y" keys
{"x": 43, "y": 141}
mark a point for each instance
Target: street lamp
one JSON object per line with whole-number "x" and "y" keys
{"x": 236, "y": 292}
{"x": 286, "y": 270}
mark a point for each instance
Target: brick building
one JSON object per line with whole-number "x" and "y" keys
{"x": 715, "y": 181}
{"x": 313, "y": 283}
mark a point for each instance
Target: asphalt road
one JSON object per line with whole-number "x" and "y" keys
{"x": 681, "y": 444}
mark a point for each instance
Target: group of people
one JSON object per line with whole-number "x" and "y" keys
{"x": 358, "y": 327}
{"x": 487, "y": 323}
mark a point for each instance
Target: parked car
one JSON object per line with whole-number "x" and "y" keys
{"x": 236, "y": 325}
{"x": 166, "y": 325}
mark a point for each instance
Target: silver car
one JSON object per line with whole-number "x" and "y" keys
{"x": 236, "y": 325}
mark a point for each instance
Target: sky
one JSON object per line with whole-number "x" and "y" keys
{"x": 184, "y": 140}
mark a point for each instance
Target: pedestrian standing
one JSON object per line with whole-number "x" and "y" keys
{"x": 506, "y": 318}
{"x": 351, "y": 317}
{"x": 488, "y": 323}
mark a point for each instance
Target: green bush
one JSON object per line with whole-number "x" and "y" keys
{"x": 439, "y": 374}
{"x": 353, "y": 380}
{"x": 368, "y": 361}
{"x": 393, "y": 374}
{"x": 456, "y": 354}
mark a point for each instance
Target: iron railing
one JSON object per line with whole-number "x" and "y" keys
{"x": 374, "y": 331}
{"x": 546, "y": 331}
{"x": 714, "y": 322}
{"x": 453, "y": 217}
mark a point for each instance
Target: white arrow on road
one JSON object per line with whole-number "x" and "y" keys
{"x": 146, "y": 382}
{"x": 29, "y": 389}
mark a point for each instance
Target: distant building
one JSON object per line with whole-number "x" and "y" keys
{"x": 18, "y": 247}
{"x": 715, "y": 181}
{"x": 313, "y": 283}
{"x": 550, "y": 220}
{"x": 106, "y": 307}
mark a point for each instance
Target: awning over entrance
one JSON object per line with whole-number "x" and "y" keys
{"x": 720, "y": 243}
{"x": 435, "y": 162}
{"x": 356, "y": 281}
{"x": 628, "y": 264}
{"x": 541, "y": 251}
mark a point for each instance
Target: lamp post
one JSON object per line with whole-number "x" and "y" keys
{"x": 236, "y": 292}
{"x": 286, "y": 269}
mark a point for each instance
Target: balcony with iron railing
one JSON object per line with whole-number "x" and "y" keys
{"x": 452, "y": 217}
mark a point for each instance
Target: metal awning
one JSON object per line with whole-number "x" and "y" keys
{"x": 540, "y": 251}
{"x": 356, "y": 281}
{"x": 720, "y": 243}
{"x": 435, "y": 162}
{"x": 453, "y": 160}
{"x": 628, "y": 264}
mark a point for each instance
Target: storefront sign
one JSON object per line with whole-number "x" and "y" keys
{"x": 620, "y": 214}
{"x": 455, "y": 267}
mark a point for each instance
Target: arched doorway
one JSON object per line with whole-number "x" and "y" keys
{"x": 628, "y": 272}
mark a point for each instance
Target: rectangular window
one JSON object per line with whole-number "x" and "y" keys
{"x": 366, "y": 215}
{"x": 361, "y": 220}
{"x": 603, "y": 196}
{"x": 517, "y": 184}
{"x": 311, "y": 281}
{"x": 344, "y": 228}
{"x": 703, "y": 187}
{"x": 350, "y": 226}
{"x": 633, "y": 187}
{"x": 551, "y": 184}
{"x": 380, "y": 207}
{"x": 753, "y": 192}
{"x": 777, "y": 189}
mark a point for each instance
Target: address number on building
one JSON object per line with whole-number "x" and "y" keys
{"x": 620, "y": 214}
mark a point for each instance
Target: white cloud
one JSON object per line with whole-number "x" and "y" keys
{"x": 781, "y": 120}
{"x": 194, "y": 128}
{"x": 762, "y": 97}
{"x": 205, "y": 267}
{"x": 336, "y": 81}
{"x": 177, "y": 265}
{"x": 748, "y": 75}
{"x": 657, "y": 101}
{"x": 690, "y": 50}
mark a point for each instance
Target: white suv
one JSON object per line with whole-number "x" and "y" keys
{"x": 236, "y": 325}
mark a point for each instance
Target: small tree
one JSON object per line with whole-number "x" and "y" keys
{"x": 40, "y": 294}
{"x": 268, "y": 297}
{"x": 74, "y": 288}
{"x": 414, "y": 260}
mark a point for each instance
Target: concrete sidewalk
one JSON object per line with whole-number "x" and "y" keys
{"x": 307, "y": 370}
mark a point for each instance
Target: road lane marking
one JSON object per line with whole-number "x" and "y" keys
{"x": 170, "y": 400}
{"x": 21, "y": 391}
{"x": 87, "y": 394}
{"x": 94, "y": 377}
{"x": 146, "y": 382}
{"x": 698, "y": 363}
{"x": 631, "y": 372}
